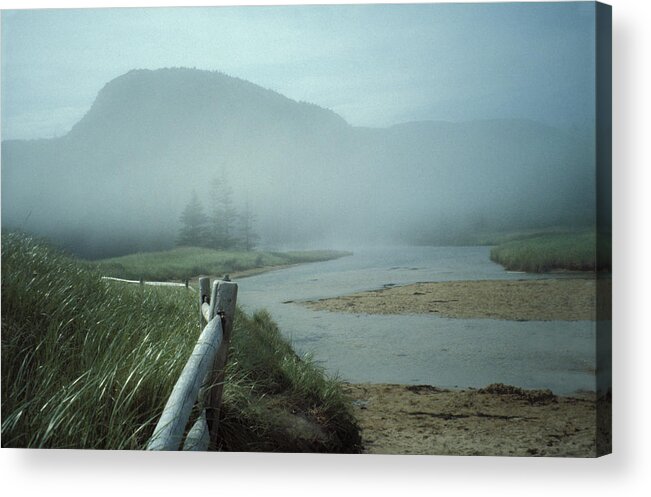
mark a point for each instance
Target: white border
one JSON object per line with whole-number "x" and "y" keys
{"x": 626, "y": 472}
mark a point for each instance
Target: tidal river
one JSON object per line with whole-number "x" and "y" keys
{"x": 421, "y": 349}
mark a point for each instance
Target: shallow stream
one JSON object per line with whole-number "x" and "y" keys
{"x": 421, "y": 349}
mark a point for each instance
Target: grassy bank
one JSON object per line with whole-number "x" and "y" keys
{"x": 501, "y": 237}
{"x": 187, "y": 262}
{"x": 88, "y": 363}
{"x": 541, "y": 253}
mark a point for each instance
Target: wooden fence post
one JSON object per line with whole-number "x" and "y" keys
{"x": 204, "y": 297}
{"x": 223, "y": 307}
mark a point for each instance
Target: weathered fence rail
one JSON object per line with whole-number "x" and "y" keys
{"x": 202, "y": 379}
{"x": 151, "y": 283}
{"x": 201, "y": 382}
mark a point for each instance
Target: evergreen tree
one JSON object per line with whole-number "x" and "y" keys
{"x": 249, "y": 237}
{"x": 223, "y": 215}
{"x": 193, "y": 224}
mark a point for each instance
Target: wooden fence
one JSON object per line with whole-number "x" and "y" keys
{"x": 201, "y": 383}
{"x": 202, "y": 380}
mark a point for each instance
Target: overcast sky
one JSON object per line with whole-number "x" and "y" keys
{"x": 375, "y": 65}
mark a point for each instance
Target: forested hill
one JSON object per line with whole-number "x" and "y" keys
{"x": 119, "y": 180}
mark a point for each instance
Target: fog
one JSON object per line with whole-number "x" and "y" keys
{"x": 339, "y": 126}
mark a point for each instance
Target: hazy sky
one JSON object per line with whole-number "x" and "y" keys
{"x": 376, "y": 65}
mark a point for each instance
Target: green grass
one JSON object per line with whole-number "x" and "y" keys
{"x": 501, "y": 237}
{"x": 541, "y": 253}
{"x": 88, "y": 363}
{"x": 187, "y": 262}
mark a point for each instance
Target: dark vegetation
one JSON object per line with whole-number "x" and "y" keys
{"x": 88, "y": 363}
{"x": 542, "y": 396}
{"x": 224, "y": 228}
{"x": 555, "y": 251}
{"x": 187, "y": 262}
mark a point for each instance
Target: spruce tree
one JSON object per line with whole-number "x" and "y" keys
{"x": 222, "y": 216}
{"x": 193, "y": 224}
{"x": 249, "y": 237}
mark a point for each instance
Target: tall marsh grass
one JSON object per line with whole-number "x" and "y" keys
{"x": 570, "y": 251}
{"x": 88, "y": 363}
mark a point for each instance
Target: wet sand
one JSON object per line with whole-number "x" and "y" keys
{"x": 497, "y": 420}
{"x": 568, "y": 299}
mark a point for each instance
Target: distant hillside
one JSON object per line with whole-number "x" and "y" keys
{"x": 117, "y": 182}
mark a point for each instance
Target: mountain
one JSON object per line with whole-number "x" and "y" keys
{"x": 118, "y": 181}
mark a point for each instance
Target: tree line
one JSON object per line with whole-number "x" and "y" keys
{"x": 222, "y": 227}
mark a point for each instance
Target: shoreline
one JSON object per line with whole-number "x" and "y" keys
{"x": 550, "y": 299}
{"x": 238, "y": 275}
{"x": 246, "y": 273}
{"x": 497, "y": 420}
